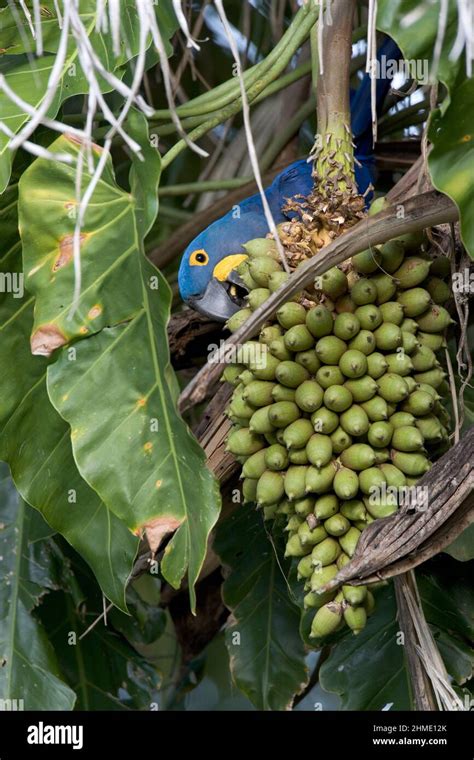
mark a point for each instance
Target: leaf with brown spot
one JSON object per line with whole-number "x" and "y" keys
{"x": 46, "y": 340}
{"x": 66, "y": 251}
{"x": 156, "y": 530}
{"x": 35, "y": 441}
{"x": 131, "y": 437}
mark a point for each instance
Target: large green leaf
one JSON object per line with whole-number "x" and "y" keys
{"x": 414, "y": 27}
{"x": 29, "y": 670}
{"x": 451, "y": 161}
{"x": 35, "y": 441}
{"x": 369, "y": 671}
{"x": 267, "y": 656}
{"x": 129, "y": 441}
{"x": 16, "y": 37}
{"x": 104, "y": 671}
{"x": 28, "y": 75}
{"x": 462, "y": 548}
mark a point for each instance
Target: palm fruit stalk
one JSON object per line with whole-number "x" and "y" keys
{"x": 338, "y": 405}
{"x": 331, "y": 419}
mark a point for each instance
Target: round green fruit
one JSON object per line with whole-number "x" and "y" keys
{"x": 364, "y": 292}
{"x": 319, "y": 321}
{"x": 407, "y": 438}
{"x": 392, "y": 388}
{"x": 324, "y": 421}
{"x": 353, "y": 364}
{"x": 319, "y": 449}
{"x": 412, "y": 272}
{"x": 244, "y": 442}
{"x": 330, "y": 349}
{"x": 367, "y": 261}
{"x": 283, "y": 413}
{"x": 297, "y": 434}
{"x": 376, "y": 365}
{"x": 309, "y": 396}
{"x": 298, "y": 338}
{"x": 413, "y": 464}
{"x": 369, "y": 316}
{"x": 392, "y": 255}
{"x": 275, "y": 457}
{"x": 290, "y": 314}
{"x": 346, "y": 483}
{"x": 326, "y": 506}
{"x": 337, "y": 398}
{"x": 340, "y": 440}
{"x": 326, "y": 620}
{"x": 329, "y": 375}
{"x": 380, "y": 434}
{"x": 414, "y": 301}
{"x": 333, "y": 283}
{"x": 270, "y": 488}
{"x": 358, "y": 457}
{"x": 346, "y": 326}
{"x": 291, "y": 374}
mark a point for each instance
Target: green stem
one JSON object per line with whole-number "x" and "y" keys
{"x": 314, "y": 57}
{"x": 292, "y": 76}
{"x": 203, "y": 186}
{"x": 226, "y": 92}
{"x": 335, "y": 159}
{"x": 297, "y": 39}
{"x": 279, "y": 84}
{"x": 174, "y": 214}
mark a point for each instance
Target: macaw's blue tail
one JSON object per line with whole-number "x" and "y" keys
{"x": 361, "y": 105}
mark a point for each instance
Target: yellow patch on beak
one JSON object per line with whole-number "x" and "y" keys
{"x": 222, "y": 269}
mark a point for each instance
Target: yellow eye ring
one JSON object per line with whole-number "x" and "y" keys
{"x": 199, "y": 258}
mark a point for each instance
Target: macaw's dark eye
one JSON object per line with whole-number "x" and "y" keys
{"x": 199, "y": 258}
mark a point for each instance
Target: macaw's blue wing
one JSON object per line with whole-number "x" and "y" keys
{"x": 207, "y": 279}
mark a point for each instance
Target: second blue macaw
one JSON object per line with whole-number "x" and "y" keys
{"x": 207, "y": 271}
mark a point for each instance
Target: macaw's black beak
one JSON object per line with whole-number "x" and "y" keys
{"x": 221, "y": 299}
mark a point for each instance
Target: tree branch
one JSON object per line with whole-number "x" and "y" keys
{"x": 405, "y": 587}
{"x": 396, "y": 544}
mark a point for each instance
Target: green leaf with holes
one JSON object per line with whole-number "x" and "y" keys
{"x": 29, "y": 672}
{"x": 27, "y": 75}
{"x": 35, "y": 441}
{"x": 267, "y": 656}
{"x": 116, "y": 388}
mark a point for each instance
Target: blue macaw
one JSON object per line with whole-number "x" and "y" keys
{"x": 207, "y": 271}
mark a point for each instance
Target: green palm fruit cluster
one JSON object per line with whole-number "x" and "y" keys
{"x": 337, "y": 403}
